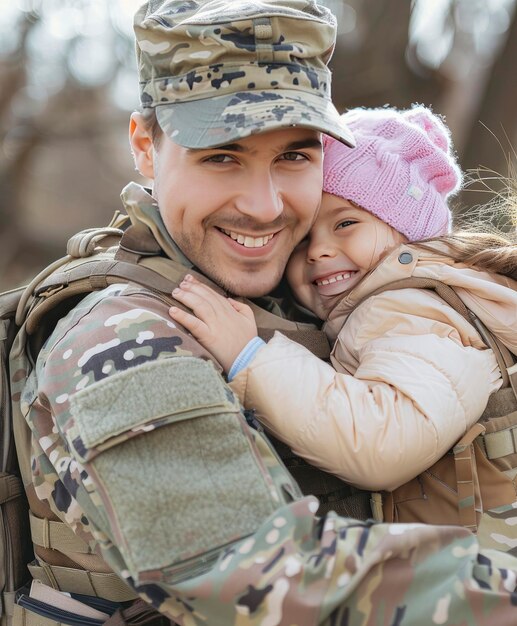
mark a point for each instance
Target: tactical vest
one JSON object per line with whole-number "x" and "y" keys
{"x": 96, "y": 259}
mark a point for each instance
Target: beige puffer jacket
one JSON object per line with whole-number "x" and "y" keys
{"x": 410, "y": 375}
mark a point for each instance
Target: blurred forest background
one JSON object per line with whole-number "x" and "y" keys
{"x": 68, "y": 84}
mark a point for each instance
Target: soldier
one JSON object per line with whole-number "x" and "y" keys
{"x": 138, "y": 445}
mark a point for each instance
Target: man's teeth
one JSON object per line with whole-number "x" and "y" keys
{"x": 247, "y": 241}
{"x": 333, "y": 279}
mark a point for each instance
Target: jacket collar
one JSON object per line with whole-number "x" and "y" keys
{"x": 143, "y": 209}
{"x": 399, "y": 264}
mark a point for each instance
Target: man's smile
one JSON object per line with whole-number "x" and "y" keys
{"x": 244, "y": 245}
{"x": 248, "y": 241}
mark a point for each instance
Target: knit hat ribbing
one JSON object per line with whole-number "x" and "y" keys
{"x": 402, "y": 169}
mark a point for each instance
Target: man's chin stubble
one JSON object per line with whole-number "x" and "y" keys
{"x": 252, "y": 283}
{"x": 247, "y": 285}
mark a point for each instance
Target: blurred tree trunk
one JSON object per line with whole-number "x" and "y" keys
{"x": 17, "y": 149}
{"x": 76, "y": 116}
{"x": 373, "y": 70}
{"x": 491, "y": 141}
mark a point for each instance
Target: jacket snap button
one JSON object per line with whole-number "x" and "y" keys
{"x": 405, "y": 258}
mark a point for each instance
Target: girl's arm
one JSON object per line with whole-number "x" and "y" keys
{"x": 416, "y": 386}
{"x": 419, "y": 383}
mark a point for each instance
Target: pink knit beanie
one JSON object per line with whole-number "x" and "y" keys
{"x": 402, "y": 169}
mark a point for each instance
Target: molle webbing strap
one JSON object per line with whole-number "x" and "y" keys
{"x": 55, "y": 535}
{"x": 92, "y": 276}
{"x": 13, "y": 533}
{"x": 505, "y": 359}
{"x": 376, "y": 506}
{"x": 113, "y": 271}
{"x": 469, "y": 497}
{"x": 108, "y": 586}
{"x": 313, "y": 339}
{"x": 500, "y": 444}
{"x": 10, "y": 487}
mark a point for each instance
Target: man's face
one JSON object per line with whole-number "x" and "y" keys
{"x": 238, "y": 211}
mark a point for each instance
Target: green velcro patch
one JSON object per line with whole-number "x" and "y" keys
{"x": 139, "y": 399}
{"x": 180, "y": 491}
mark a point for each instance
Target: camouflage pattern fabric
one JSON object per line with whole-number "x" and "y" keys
{"x": 218, "y": 71}
{"x": 497, "y": 529}
{"x": 295, "y": 568}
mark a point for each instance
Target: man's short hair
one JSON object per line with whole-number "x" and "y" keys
{"x": 151, "y": 124}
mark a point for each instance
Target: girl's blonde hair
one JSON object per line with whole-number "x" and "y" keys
{"x": 485, "y": 236}
{"x": 487, "y": 251}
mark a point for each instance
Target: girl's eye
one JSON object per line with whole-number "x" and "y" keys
{"x": 345, "y": 223}
{"x": 293, "y": 156}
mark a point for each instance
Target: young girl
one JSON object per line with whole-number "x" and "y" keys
{"x": 409, "y": 374}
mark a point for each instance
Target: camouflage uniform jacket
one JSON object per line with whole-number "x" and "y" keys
{"x": 141, "y": 448}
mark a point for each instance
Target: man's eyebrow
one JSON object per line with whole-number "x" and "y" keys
{"x": 229, "y": 147}
{"x": 303, "y": 144}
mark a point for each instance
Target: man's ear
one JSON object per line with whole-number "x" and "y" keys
{"x": 141, "y": 142}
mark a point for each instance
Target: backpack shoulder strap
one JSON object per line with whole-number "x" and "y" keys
{"x": 93, "y": 263}
{"x": 446, "y": 292}
{"x": 9, "y": 302}
{"x": 15, "y": 547}
{"x": 505, "y": 359}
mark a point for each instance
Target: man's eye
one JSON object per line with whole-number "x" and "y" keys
{"x": 219, "y": 158}
{"x": 294, "y": 156}
{"x": 345, "y": 223}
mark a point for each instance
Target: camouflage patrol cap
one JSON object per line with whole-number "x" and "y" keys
{"x": 216, "y": 71}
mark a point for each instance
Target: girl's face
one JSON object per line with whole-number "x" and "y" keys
{"x": 342, "y": 246}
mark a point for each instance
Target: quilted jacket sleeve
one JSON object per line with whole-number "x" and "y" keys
{"x": 410, "y": 376}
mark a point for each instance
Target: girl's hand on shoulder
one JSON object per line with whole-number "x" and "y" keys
{"x": 222, "y": 325}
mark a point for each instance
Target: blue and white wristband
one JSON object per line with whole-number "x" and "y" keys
{"x": 245, "y": 357}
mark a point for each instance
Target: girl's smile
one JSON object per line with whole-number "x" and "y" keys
{"x": 344, "y": 244}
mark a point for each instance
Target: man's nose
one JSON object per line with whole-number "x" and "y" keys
{"x": 261, "y": 198}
